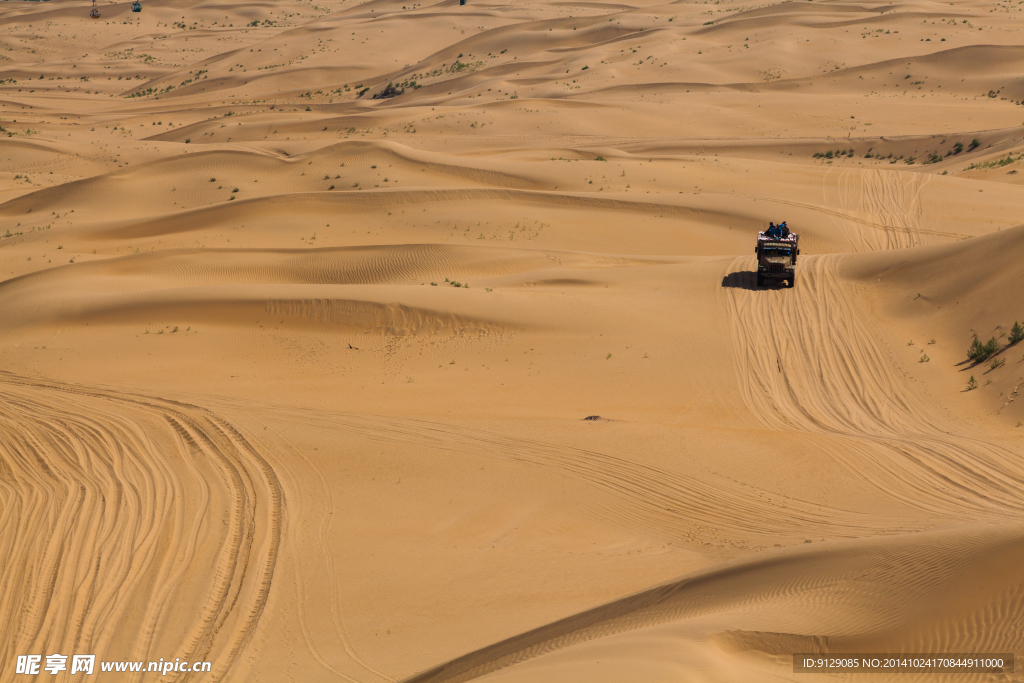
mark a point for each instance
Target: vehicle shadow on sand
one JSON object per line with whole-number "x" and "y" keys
{"x": 747, "y": 279}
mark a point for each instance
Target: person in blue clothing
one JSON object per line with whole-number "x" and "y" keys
{"x": 783, "y": 230}
{"x": 770, "y": 232}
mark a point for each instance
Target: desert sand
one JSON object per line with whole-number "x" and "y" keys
{"x": 293, "y": 373}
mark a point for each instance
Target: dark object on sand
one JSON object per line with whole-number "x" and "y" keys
{"x": 388, "y": 92}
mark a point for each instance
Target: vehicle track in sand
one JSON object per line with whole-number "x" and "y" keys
{"x": 109, "y": 505}
{"x": 667, "y": 503}
{"x": 889, "y": 201}
{"x": 308, "y": 625}
{"x": 807, "y": 364}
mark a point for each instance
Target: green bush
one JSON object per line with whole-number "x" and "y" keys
{"x": 982, "y": 351}
{"x": 1016, "y": 333}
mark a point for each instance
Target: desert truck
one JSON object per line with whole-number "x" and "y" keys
{"x": 776, "y": 256}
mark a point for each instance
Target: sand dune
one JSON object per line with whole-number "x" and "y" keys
{"x": 842, "y": 385}
{"x": 304, "y": 306}
{"x": 824, "y": 601}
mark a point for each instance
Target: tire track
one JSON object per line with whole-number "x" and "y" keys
{"x": 894, "y": 199}
{"x": 808, "y": 365}
{"x": 670, "y": 504}
{"x": 888, "y": 201}
{"x": 340, "y": 630}
{"x": 113, "y": 504}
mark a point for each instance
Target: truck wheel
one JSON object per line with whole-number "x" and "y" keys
{"x": 791, "y": 281}
{"x": 760, "y": 280}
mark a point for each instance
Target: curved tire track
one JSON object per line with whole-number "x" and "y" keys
{"x": 807, "y": 364}
{"x": 113, "y": 504}
{"x": 888, "y": 201}
{"x": 667, "y": 502}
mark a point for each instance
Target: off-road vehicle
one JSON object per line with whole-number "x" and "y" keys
{"x": 776, "y": 258}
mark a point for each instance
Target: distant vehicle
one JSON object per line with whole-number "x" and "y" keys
{"x": 95, "y": 13}
{"x": 776, "y": 256}
{"x": 136, "y": 6}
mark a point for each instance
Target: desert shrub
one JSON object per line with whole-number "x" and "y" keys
{"x": 1016, "y": 333}
{"x": 972, "y": 384}
{"x": 979, "y": 352}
